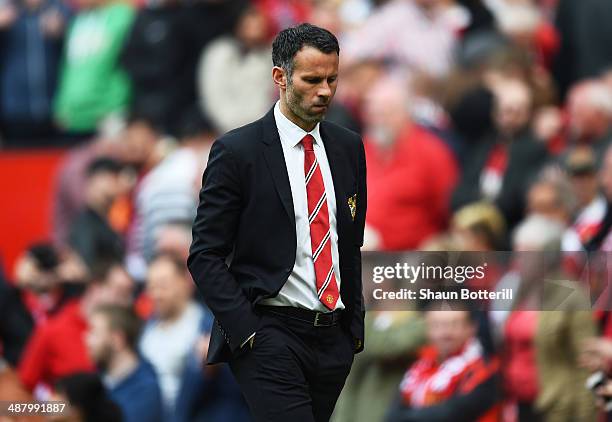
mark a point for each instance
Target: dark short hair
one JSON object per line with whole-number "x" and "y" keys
{"x": 102, "y": 268}
{"x": 140, "y": 114}
{"x": 103, "y": 165}
{"x": 45, "y": 255}
{"x": 124, "y": 320}
{"x": 291, "y": 40}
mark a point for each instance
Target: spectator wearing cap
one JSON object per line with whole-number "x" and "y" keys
{"x": 411, "y": 173}
{"x": 234, "y": 74}
{"x": 57, "y": 348}
{"x": 91, "y": 235}
{"x": 112, "y": 341}
{"x": 452, "y": 379}
{"x": 581, "y": 167}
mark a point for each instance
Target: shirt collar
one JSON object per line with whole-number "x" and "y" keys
{"x": 290, "y": 133}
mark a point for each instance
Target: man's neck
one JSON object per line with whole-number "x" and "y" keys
{"x": 174, "y": 316}
{"x": 122, "y": 365}
{"x": 284, "y": 108}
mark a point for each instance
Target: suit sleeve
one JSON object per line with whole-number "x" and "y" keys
{"x": 214, "y": 233}
{"x": 360, "y": 217}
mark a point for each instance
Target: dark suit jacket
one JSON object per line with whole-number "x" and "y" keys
{"x": 244, "y": 235}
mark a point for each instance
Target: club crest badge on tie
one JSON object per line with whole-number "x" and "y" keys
{"x": 330, "y": 299}
{"x": 352, "y": 203}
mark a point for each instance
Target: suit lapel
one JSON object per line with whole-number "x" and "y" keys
{"x": 334, "y": 157}
{"x": 275, "y": 159}
{"x": 273, "y": 153}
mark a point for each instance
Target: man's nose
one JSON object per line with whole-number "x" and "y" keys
{"x": 324, "y": 90}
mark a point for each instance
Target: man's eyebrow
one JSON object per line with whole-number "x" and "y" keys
{"x": 311, "y": 76}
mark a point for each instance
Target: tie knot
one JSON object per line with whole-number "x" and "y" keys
{"x": 307, "y": 142}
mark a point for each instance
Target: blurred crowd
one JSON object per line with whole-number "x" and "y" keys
{"x": 487, "y": 127}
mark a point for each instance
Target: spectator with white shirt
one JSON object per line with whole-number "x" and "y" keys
{"x": 234, "y": 74}
{"x": 170, "y": 335}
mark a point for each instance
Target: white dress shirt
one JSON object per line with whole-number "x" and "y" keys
{"x": 300, "y": 289}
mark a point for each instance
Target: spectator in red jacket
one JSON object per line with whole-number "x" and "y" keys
{"x": 57, "y": 347}
{"x": 411, "y": 173}
{"x": 452, "y": 379}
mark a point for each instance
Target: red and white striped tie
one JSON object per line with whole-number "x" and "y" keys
{"x": 320, "y": 234}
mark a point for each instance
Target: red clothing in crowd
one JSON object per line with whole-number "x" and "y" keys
{"x": 57, "y": 348}
{"x": 282, "y": 14}
{"x": 409, "y": 188}
{"x": 431, "y": 381}
{"x": 520, "y": 370}
{"x": 41, "y": 307}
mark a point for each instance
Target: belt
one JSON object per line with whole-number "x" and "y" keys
{"x": 315, "y": 318}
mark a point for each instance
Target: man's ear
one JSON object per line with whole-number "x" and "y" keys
{"x": 280, "y": 77}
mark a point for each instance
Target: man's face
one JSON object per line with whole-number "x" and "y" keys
{"x": 585, "y": 187}
{"x": 252, "y": 29}
{"x": 116, "y": 289}
{"x": 99, "y": 340}
{"x": 448, "y": 331}
{"x": 312, "y": 85}
{"x": 119, "y": 287}
{"x": 139, "y": 141}
{"x": 543, "y": 199}
{"x": 513, "y": 106}
{"x": 105, "y": 187}
{"x": 386, "y": 112}
{"x": 167, "y": 288}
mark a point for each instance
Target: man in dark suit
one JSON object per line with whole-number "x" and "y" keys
{"x": 277, "y": 237}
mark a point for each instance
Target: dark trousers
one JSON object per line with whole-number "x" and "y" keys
{"x": 294, "y": 371}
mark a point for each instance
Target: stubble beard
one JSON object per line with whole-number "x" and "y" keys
{"x": 294, "y": 103}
